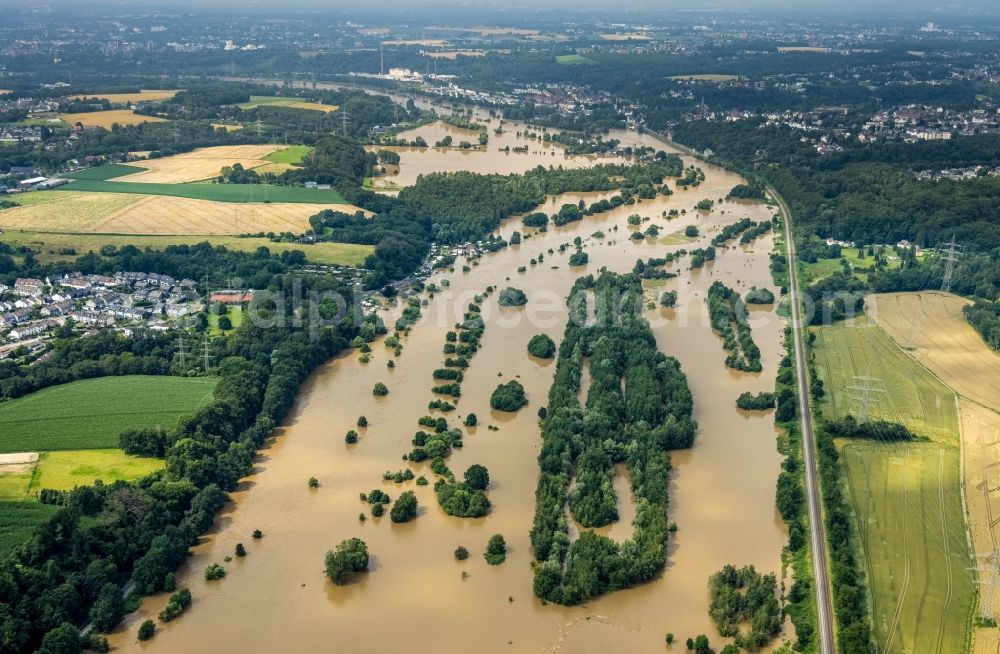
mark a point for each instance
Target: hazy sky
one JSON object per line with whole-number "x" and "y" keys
{"x": 503, "y": 11}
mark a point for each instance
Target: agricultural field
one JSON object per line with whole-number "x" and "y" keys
{"x": 127, "y": 213}
{"x": 105, "y": 172}
{"x": 144, "y": 95}
{"x": 108, "y": 118}
{"x": 197, "y": 165}
{"x": 907, "y": 393}
{"x": 91, "y": 413}
{"x": 293, "y": 154}
{"x": 943, "y": 341}
{"x": 238, "y": 193}
{"x": 281, "y": 101}
{"x": 910, "y": 522}
{"x": 932, "y": 326}
{"x": 573, "y": 60}
{"x": 18, "y": 520}
{"x": 54, "y": 246}
{"x": 66, "y": 469}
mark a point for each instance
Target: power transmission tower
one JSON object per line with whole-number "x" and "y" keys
{"x": 861, "y": 392}
{"x": 206, "y": 356}
{"x": 381, "y": 58}
{"x": 180, "y": 349}
{"x": 990, "y": 580}
{"x": 912, "y": 336}
{"x": 258, "y": 127}
{"x": 950, "y": 257}
{"x": 344, "y": 119}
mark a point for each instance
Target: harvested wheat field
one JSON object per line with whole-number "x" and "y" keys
{"x": 145, "y": 95}
{"x": 65, "y": 211}
{"x": 313, "y": 106}
{"x": 203, "y": 163}
{"x": 228, "y": 128}
{"x": 981, "y": 436}
{"x": 166, "y": 215}
{"x": 950, "y": 348}
{"x": 125, "y": 213}
{"x": 943, "y": 341}
{"x": 109, "y": 118}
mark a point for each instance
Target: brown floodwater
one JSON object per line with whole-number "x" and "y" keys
{"x": 489, "y": 158}
{"x": 416, "y": 596}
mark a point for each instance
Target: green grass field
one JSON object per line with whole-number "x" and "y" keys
{"x": 215, "y": 192}
{"x": 91, "y": 413}
{"x": 909, "y": 517}
{"x": 48, "y": 244}
{"x": 14, "y": 485}
{"x": 574, "y": 60}
{"x": 812, "y": 272}
{"x": 293, "y": 154}
{"x": 912, "y": 396}
{"x": 67, "y": 469}
{"x": 38, "y": 197}
{"x": 268, "y": 100}
{"x": 105, "y": 172}
{"x": 235, "y": 317}
{"x": 18, "y": 520}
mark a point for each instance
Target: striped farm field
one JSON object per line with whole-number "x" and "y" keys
{"x": 908, "y": 514}
{"x": 145, "y": 95}
{"x": 199, "y": 164}
{"x": 906, "y": 392}
{"x": 287, "y": 102}
{"x": 91, "y": 413}
{"x": 108, "y": 118}
{"x": 49, "y": 246}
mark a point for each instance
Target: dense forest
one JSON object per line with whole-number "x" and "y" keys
{"x": 636, "y": 422}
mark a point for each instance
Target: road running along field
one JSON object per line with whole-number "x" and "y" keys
{"x": 948, "y": 346}
{"x": 91, "y": 413}
{"x": 910, "y": 523}
{"x": 905, "y": 393}
{"x": 108, "y": 118}
{"x": 54, "y": 246}
{"x": 129, "y": 213}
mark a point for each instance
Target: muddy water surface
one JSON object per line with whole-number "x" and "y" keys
{"x": 416, "y": 597}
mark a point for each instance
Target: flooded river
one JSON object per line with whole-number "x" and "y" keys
{"x": 417, "y": 597}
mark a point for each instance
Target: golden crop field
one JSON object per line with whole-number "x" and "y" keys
{"x": 65, "y": 210}
{"x": 199, "y": 164}
{"x": 145, "y": 95}
{"x": 228, "y": 128}
{"x": 127, "y": 213}
{"x": 943, "y": 341}
{"x": 157, "y": 214}
{"x": 932, "y": 327}
{"x": 109, "y": 118}
{"x": 313, "y": 106}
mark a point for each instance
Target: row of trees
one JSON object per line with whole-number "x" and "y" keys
{"x": 636, "y": 422}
